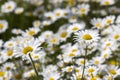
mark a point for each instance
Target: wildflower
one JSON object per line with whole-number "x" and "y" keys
{"x": 75, "y": 27}
{"x": 8, "y": 7}
{"x": 83, "y": 9}
{"x": 86, "y": 36}
{"x": 3, "y": 26}
{"x": 19, "y": 10}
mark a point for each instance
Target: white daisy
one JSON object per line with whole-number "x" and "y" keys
{"x": 30, "y": 46}
{"x": 3, "y": 26}
{"x": 86, "y": 36}
{"x": 19, "y": 10}
{"x": 113, "y": 70}
{"x": 8, "y": 66}
{"x": 8, "y": 7}
{"x": 107, "y": 2}
{"x": 83, "y": 9}
{"x": 75, "y": 27}
{"x": 98, "y": 23}
{"x": 17, "y": 31}
{"x": 36, "y": 23}
{"x": 109, "y": 20}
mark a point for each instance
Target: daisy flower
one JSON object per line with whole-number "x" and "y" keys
{"x": 30, "y": 46}
{"x": 17, "y": 31}
{"x": 58, "y": 13}
{"x": 107, "y": 2}
{"x": 3, "y": 26}
{"x": 108, "y": 77}
{"x": 54, "y": 39}
{"x": 36, "y": 23}
{"x": 19, "y": 10}
{"x": 109, "y": 20}
{"x": 8, "y": 66}
{"x": 8, "y": 7}
{"x": 114, "y": 71}
{"x": 9, "y": 53}
{"x": 63, "y": 35}
{"x": 9, "y": 44}
{"x": 86, "y": 36}
{"x": 97, "y": 61}
{"x": 46, "y": 23}
{"x": 68, "y": 69}
{"x": 72, "y": 19}
{"x": 83, "y": 9}
{"x": 75, "y": 27}
{"x": 98, "y": 23}
{"x": 81, "y": 61}
{"x": 31, "y": 31}
{"x": 91, "y": 70}
{"x": 46, "y": 34}
{"x": 50, "y": 16}
{"x": 106, "y": 54}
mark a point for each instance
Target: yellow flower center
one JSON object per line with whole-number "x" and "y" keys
{"x": 96, "y": 62}
{"x": 2, "y": 73}
{"x": 75, "y": 28}
{"x": 112, "y": 62}
{"x": 72, "y": 54}
{"x": 37, "y": 65}
{"x": 74, "y": 50}
{"x": 93, "y": 78}
{"x": 1, "y": 26}
{"x": 116, "y": 36}
{"x": 91, "y": 70}
{"x": 82, "y": 10}
{"x": 109, "y": 77}
{"x": 27, "y": 49}
{"x": 31, "y": 32}
{"x": 108, "y": 44}
{"x": 77, "y": 70}
{"x": 72, "y": 17}
{"x": 36, "y": 56}
{"x": 109, "y": 21}
{"x": 9, "y": 53}
{"x": 37, "y": 23}
{"x": 57, "y": 14}
{"x": 32, "y": 74}
{"x": 63, "y": 34}
{"x": 98, "y": 25}
{"x": 71, "y": 2}
{"x": 106, "y": 3}
{"x": 47, "y": 35}
{"x": 105, "y": 55}
{"x": 69, "y": 69}
{"x": 82, "y": 62}
{"x": 7, "y": 68}
{"x": 49, "y": 17}
{"x": 87, "y": 37}
{"x": 9, "y": 7}
{"x": 112, "y": 71}
{"x": 78, "y": 77}
{"x": 10, "y": 44}
{"x": 54, "y": 40}
{"x": 52, "y": 78}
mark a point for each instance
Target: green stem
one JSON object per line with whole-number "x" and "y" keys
{"x": 34, "y": 66}
{"x": 84, "y": 64}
